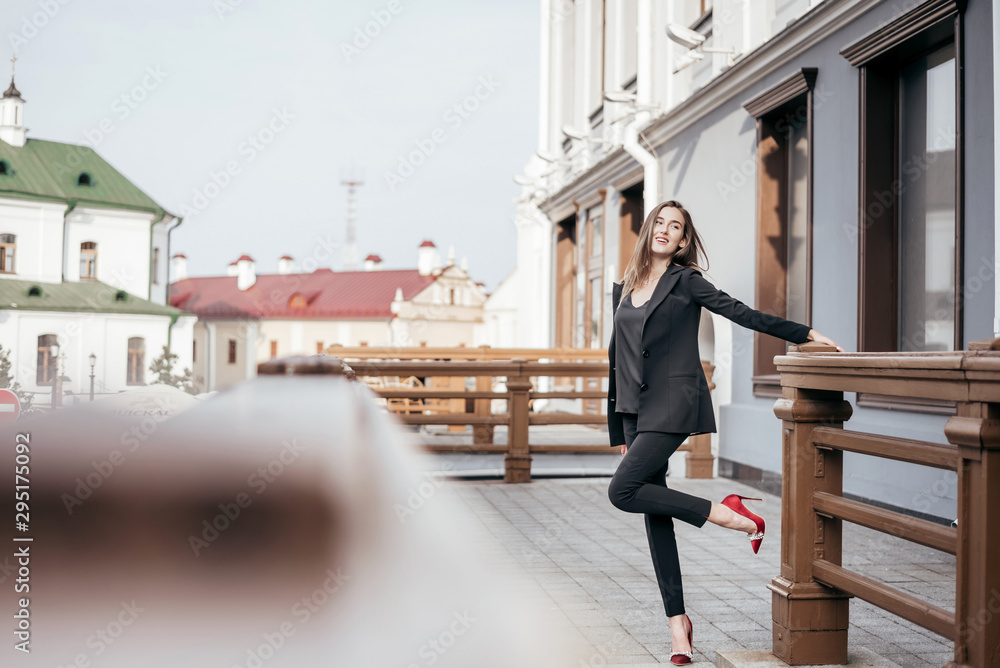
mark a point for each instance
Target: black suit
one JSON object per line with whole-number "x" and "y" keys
{"x": 673, "y": 402}
{"x": 676, "y": 397}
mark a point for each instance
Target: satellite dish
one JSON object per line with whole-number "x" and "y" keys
{"x": 686, "y": 37}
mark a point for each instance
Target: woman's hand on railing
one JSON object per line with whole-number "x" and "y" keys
{"x": 819, "y": 338}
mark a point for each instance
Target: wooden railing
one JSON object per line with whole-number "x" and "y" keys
{"x": 520, "y": 380}
{"x": 810, "y": 595}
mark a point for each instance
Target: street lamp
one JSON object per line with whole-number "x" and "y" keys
{"x": 93, "y": 361}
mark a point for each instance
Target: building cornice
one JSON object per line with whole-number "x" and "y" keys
{"x": 804, "y": 34}
{"x": 889, "y": 36}
{"x": 789, "y": 88}
{"x": 564, "y": 203}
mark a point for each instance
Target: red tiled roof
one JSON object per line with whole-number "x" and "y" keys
{"x": 373, "y": 258}
{"x": 244, "y": 257}
{"x": 428, "y": 243}
{"x": 328, "y": 294}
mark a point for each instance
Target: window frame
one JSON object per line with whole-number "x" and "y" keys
{"x": 91, "y": 252}
{"x": 772, "y": 108}
{"x": 880, "y": 56}
{"x": 46, "y": 374}
{"x": 12, "y": 253}
{"x": 135, "y": 369}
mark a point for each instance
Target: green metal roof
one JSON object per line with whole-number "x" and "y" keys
{"x": 85, "y": 296}
{"x": 49, "y": 170}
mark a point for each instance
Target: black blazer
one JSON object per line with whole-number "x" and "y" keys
{"x": 674, "y": 395}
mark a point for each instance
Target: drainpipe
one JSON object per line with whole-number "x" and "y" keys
{"x": 70, "y": 205}
{"x": 170, "y": 330}
{"x": 173, "y": 318}
{"x": 644, "y": 102}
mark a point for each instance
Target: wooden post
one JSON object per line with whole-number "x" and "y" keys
{"x": 517, "y": 461}
{"x": 483, "y": 433}
{"x": 975, "y": 430}
{"x": 700, "y": 462}
{"x": 809, "y": 620}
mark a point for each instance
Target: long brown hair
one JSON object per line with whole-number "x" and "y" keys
{"x": 641, "y": 262}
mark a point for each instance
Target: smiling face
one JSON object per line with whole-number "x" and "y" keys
{"x": 668, "y": 233}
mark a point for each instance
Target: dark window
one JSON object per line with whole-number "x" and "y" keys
{"x": 4, "y": 169}
{"x": 232, "y": 351}
{"x": 156, "y": 266}
{"x": 910, "y": 219}
{"x": 194, "y": 350}
{"x": 8, "y": 246}
{"x": 45, "y": 370}
{"x": 35, "y": 291}
{"x": 784, "y": 214}
{"x": 83, "y": 179}
{"x": 136, "y": 360}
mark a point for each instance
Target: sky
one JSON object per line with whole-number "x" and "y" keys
{"x": 245, "y": 116}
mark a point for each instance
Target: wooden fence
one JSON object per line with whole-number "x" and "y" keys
{"x": 444, "y": 399}
{"x": 810, "y": 595}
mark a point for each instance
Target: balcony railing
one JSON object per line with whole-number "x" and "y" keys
{"x": 810, "y": 595}
{"x": 440, "y": 402}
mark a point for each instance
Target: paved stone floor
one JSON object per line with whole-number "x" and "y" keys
{"x": 589, "y": 563}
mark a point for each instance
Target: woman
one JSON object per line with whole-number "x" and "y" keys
{"x": 658, "y": 394}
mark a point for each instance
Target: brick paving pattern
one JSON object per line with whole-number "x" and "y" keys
{"x": 589, "y": 564}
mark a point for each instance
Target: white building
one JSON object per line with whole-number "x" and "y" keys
{"x": 817, "y": 146}
{"x": 82, "y": 267}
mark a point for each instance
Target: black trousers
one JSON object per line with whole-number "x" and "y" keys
{"x": 639, "y": 486}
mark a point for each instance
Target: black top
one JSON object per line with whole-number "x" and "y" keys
{"x": 628, "y": 360}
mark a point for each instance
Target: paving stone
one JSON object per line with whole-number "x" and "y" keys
{"x": 590, "y": 563}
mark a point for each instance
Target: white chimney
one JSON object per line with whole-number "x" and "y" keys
{"x": 12, "y": 128}
{"x": 245, "y": 275}
{"x": 179, "y": 267}
{"x": 373, "y": 263}
{"x": 285, "y": 264}
{"x": 232, "y": 269}
{"x": 425, "y": 258}
{"x": 465, "y": 264}
{"x": 451, "y": 255}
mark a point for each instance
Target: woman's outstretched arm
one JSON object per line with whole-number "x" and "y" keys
{"x": 715, "y": 300}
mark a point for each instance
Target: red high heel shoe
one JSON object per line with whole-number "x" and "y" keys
{"x": 735, "y": 502}
{"x": 684, "y": 658}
